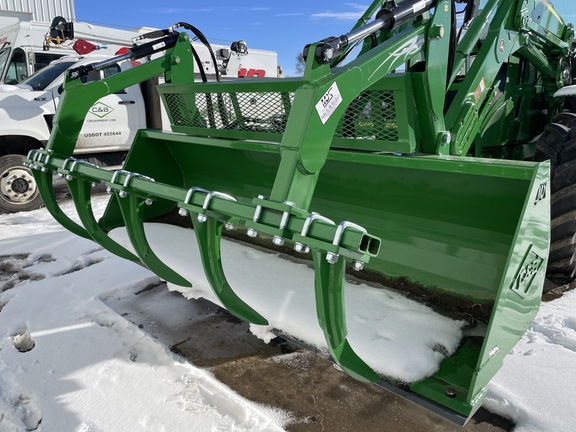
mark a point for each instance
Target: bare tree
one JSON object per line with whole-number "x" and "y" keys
{"x": 300, "y": 64}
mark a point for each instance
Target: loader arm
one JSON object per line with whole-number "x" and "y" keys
{"x": 506, "y": 31}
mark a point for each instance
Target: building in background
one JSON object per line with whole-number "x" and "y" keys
{"x": 37, "y": 10}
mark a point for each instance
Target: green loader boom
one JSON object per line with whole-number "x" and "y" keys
{"x": 414, "y": 165}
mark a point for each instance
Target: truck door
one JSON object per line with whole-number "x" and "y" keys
{"x": 17, "y": 68}
{"x": 112, "y": 122}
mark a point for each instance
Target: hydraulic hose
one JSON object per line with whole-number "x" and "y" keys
{"x": 204, "y": 41}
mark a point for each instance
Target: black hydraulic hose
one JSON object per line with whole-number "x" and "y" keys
{"x": 219, "y": 97}
{"x": 453, "y": 43}
{"x": 199, "y": 62}
{"x": 204, "y": 40}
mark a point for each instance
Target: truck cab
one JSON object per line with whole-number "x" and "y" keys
{"x": 19, "y": 64}
{"x": 21, "y": 51}
{"x": 26, "y": 114}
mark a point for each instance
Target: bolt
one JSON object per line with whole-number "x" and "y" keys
{"x": 109, "y": 189}
{"x": 8, "y": 182}
{"x": 332, "y": 258}
{"x": 278, "y": 241}
{"x": 183, "y": 212}
{"x": 252, "y": 232}
{"x": 302, "y": 248}
{"x": 93, "y": 184}
{"x": 202, "y": 218}
{"x": 44, "y": 169}
{"x": 437, "y": 32}
{"x": 68, "y": 177}
{"x": 123, "y": 194}
{"x": 327, "y": 55}
{"x": 357, "y": 265}
{"x": 60, "y": 175}
{"x": 229, "y": 226}
{"x": 148, "y": 201}
{"x": 450, "y": 392}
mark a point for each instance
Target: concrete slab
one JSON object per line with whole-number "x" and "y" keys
{"x": 319, "y": 396}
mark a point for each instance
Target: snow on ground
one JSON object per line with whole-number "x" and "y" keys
{"x": 83, "y": 367}
{"x": 397, "y": 337}
{"x": 537, "y": 385}
{"x": 70, "y": 363}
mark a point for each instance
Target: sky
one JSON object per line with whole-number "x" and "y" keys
{"x": 284, "y": 27}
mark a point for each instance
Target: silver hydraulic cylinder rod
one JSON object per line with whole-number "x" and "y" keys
{"x": 386, "y": 20}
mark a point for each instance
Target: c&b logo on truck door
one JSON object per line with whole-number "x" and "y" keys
{"x": 100, "y": 109}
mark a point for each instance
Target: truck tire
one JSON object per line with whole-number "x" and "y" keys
{"x": 18, "y": 189}
{"x": 558, "y": 143}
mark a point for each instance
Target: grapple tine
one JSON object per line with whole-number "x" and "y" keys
{"x": 208, "y": 235}
{"x": 131, "y": 209}
{"x": 80, "y": 190}
{"x": 46, "y": 189}
{"x": 329, "y": 289}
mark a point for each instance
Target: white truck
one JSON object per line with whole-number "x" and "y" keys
{"x": 27, "y": 110}
{"x": 28, "y": 46}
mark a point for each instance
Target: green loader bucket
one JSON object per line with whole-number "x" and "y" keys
{"x": 276, "y": 160}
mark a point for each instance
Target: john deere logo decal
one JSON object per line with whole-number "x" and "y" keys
{"x": 100, "y": 110}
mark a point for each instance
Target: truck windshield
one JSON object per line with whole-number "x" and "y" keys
{"x": 42, "y": 79}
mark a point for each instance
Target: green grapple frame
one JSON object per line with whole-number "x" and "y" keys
{"x": 406, "y": 163}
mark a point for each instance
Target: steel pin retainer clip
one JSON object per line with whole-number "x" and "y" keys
{"x": 64, "y": 166}
{"x": 36, "y": 156}
{"x": 129, "y": 176}
{"x": 128, "y": 179}
{"x": 115, "y": 177}
{"x": 206, "y": 206}
{"x": 333, "y": 257}
{"x": 188, "y": 198}
{"x": 301, "y": 247}
{"x": 277, "y": 240}
{"x": 75, "y": 163}
{"x": 36, "y": 160}
{"x": 251, "y": 232}
{"x": 29, "y": 156}
{"x": 47, "y": 158}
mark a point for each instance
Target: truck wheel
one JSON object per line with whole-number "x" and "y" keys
{"x": 558, "y": 143}
{"x": 18, "y": 189}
